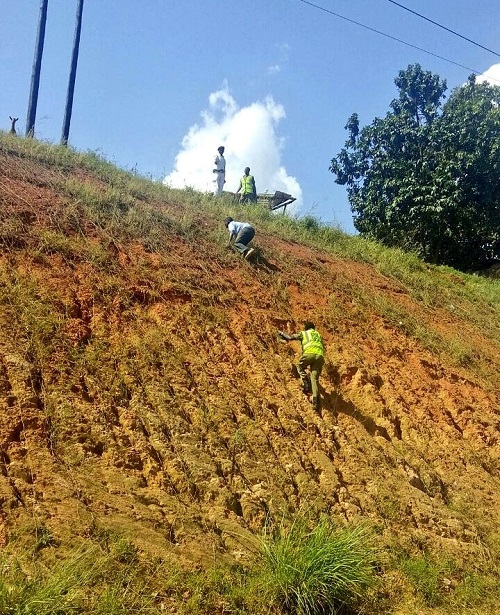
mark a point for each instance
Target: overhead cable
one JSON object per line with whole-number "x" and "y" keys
{"x": 445, "y": 28}
{"x": 398, "y": 40}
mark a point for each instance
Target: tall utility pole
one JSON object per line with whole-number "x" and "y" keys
{"x": 72, "y": 74}
{"x": 35, "y": 74}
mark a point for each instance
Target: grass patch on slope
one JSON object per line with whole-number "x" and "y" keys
{"x": 315, "y": 570}
{"x": 303, "y": 570}
{"x": 91, "y": 579}
{"x": 439, "y": 583}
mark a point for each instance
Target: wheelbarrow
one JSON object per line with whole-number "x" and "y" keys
{"x": 275, "y": 201}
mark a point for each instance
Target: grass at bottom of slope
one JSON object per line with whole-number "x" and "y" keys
{"x": 313, "y": 569}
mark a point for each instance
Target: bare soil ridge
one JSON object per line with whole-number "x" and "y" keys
{"x": 145, "y": 390}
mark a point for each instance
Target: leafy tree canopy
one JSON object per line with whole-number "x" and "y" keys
{"x": 426, "y": 178}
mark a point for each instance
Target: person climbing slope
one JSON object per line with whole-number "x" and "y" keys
{"x": 313, "y": 356}
{"x": 240, "y": 235}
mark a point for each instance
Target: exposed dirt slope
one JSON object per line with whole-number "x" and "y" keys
{"x": 147, "y": 391}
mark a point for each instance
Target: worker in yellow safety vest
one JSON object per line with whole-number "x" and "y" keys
{"x": 313, "y": 356}
{"x": 247, "y": 187}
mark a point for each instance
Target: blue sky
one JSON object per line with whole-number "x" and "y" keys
{"x": 161, "y": 84}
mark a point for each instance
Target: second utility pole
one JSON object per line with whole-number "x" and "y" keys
{"x": 72, "y": 75}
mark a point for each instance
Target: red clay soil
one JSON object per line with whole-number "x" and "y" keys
{"x": 166, "y": 407}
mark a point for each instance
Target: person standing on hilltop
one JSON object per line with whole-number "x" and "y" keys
{"x": 313, "y": 356}
{"x": 240, "y": 235}
{"x": 247, "y": 187}
{"x": 220, "y": 170}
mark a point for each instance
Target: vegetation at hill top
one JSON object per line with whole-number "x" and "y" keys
{"x": 156, "y": 452}
{"x": 426, "y": 177}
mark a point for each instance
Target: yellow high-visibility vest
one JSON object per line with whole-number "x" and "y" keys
{"x": 247, "y": 184}
{"x": 312, "y": 342}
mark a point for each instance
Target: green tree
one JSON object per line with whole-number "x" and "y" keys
{"x": 426, "y": 178}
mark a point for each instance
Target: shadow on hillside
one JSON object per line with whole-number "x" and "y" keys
{"x": 261, "y": 261}
{"x": 334, "y": 402}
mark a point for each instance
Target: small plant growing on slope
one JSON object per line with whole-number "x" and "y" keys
{"x": 319, "y": 570}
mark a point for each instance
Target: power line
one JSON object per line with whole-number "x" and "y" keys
{"x": 445, "y": 28}
{"x": 398, "y": 40}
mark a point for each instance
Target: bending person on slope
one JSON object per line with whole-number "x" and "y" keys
{"x": 240, "y": 235}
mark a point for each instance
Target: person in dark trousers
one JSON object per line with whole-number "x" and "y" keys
{"x": 240, "y": 235}
{"x": 247, "y": 187}
{"x": 313, "y": 356}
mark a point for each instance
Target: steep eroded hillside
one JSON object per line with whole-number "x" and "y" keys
{"x": 143, "y": 387}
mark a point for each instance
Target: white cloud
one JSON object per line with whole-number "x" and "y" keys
{"x": 492, "y": 75}
{"x": 250, "y": 139}
{"x": 283, "y": 50}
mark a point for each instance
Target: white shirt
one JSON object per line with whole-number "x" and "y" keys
{"x": 235, "y": 227}
{"x": 220, "y": 163}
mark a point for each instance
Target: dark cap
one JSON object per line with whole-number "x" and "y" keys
{"x": 308, "y": 325}
{"x": 227, "y": 221}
